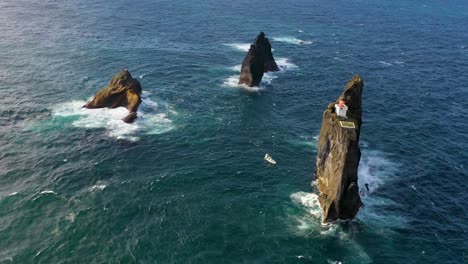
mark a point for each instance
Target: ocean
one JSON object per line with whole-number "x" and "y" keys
{"x": 187, "y": 183}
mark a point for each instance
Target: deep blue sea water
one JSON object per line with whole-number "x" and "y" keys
{"x": 187, "y": 182}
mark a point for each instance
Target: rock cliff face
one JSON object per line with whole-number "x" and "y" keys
{"x": 122, "y": 90}
{"x": 263, "y": 44}
{"x": 338, "y": 157}
{"x": 259, "y": 59}
{"x": 252, "y": 68}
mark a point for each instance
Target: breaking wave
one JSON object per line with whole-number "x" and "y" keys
{"x": 374, "y": 171}
{"x": 239, "y": 46}
{"x": 310, "y": 202}
{"x": 152, "y": 118}
{"x": 283, "y": 64}
{"x": 309, "y": 225}
{"x": 232, "y": 81}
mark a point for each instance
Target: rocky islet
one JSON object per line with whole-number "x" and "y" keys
{"x": 122, "y": 91}
{"x": 338, "y": 156}
{"x": 258, "y": 60}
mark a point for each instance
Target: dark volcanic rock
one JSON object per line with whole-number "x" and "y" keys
{"x": 259, "y": 59}
{"x": 338, "y": 157}
{"x": 252, "y": 68}
{"x": 264, "y": 46}
{"x": 122, "y": 90}
{"x": 132, "y": 116}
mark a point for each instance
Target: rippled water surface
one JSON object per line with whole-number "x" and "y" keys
{"x": 187, "y": 182}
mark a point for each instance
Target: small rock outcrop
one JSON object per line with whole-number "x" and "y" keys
{"x": 259, "y": 59}
{"x": 122, "y": 90}
{"x": 338, "y": 156}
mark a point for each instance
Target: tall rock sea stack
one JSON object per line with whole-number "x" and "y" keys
{"x": 122, "y": 90}
{"x": 259, "y": 59}
{"x": 263, "y": 44}
{"x": 338, "y": 155}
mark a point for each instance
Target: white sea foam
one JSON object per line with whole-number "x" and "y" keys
{"x": 385, "y": 63}
{"x": 148, "y": 103}
{"x": 329, "y": 229}
{"x": 71, "y": 217}
{"x": 239, "y": 46}
{"x": 374, "y": 169}
{"x": 312, "y": 220}
{"x": 268, "y": 77}
{"x": 283, "y": 64}
{"x": 236, "y": 68}
{"x": 152, "y": 118}
{"x": 308, "y": 201}
{"x": 232, "y": 81}
{"x": 309, "y": 224}
{"x": 293, "y": 40}
{"x": 98, "y": 187}
{"x": 48, "y": 192}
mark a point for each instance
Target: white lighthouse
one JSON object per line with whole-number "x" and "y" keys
{"x": 341, "y": 108}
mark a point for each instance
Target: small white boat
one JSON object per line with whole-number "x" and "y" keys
{"x": 269, "y": 159}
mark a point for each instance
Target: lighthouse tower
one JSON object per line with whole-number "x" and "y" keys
{"x": 341, "y": 108}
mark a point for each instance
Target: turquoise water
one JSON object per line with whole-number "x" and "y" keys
{"x": 187, "y": 182}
